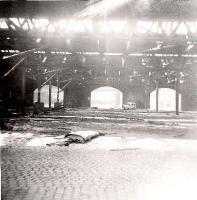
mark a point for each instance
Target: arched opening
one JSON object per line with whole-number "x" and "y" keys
{"x": 44, "y": 95}
{"x": 106, "y": 98}
{"x": 166, "y": 100}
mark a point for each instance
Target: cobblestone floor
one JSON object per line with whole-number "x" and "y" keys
{"x": 68, "y": 173}
{"x": 134, "y": 161}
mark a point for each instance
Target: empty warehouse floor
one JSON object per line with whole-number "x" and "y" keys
{"x": 143, "y": 156}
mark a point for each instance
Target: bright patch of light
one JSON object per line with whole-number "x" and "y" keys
{"x": 101, "y": 8}
{"x": 36, "y": 23}
{"x": 166, "y": 26}
{"x": 40, "y": 23}
{"x": 83, "y": 59}
{"x": 106, "y": 98}
{"x": 21, "y": 20}
{"x": 88, "y": 25}
{"x": 64, "y": 60}
{"x": 3, "y": 24}
{"x": 104, "y": 27}
{"x": 12, "y": 51}
{"x": 51, "y": 28}
{"x": 143, "y": 26}
{"x": 190, "y": 47}
{"x": 117, "y": 26}
{"x": 44, "y": 95}
{"x": 38, "y": 40}
{"x": 41, "y": 52}
{"x": 44, "y": 59}
{"x": 15, "y": 21}
{"x": 155, "y": 27}
{"x": 13, "y": 27}
{"x": 136, "y": 54}
{"x": 182, "y": 29}
{"x": 123, "y": 62}
{"x": 167, "y": 100}
{"x": 195, "y": 25}
{"x": 182, "y": 74}
{"x": 78, "y": 25}
{"x": 62, "y": 24}
{"x": 43, "y": 22}
{"x": 91, "y": 53}
{"x": 192, "y": 27}
{"x": 9, "y": 51}
{"x": 128, "y": 44}
{"x": 25, "y": 26}
{"x": 70, "y": 25}
{"x": 61, "y": 52}
{"x": 174, "y": 25}
{"x": 113, "y": 54}
{"x": 68, "y": 41}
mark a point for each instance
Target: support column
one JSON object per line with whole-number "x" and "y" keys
{"x": 58, "y": 92}
{"x": 146, "y": 96}
{"x": 157, "y": 95}
{"x": 57, "y": 104}
{"x": 49, "y": 94}
{"x": 39, "y": 106}
{"x": 39, "y": 87}
{"x": 65, "y": 97}
{"x": 23, "y": 90}
{"x": 177, "y": 85}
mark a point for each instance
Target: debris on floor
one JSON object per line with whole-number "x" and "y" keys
{"x": 64, "y": 140}
{"x": 62, "y": 128}
{"x": 82, "y": 136}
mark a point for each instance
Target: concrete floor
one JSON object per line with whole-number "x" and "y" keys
{"x": 126, "y": 165}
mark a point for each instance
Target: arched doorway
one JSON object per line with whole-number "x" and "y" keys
{"x": 106, "y": 98}
{"x": 44, "y": 95}
{"x": 166, "y": 100}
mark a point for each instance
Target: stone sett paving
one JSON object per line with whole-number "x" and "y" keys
{"x": 65, "y": 173}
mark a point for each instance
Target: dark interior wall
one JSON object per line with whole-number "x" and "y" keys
{"x": 136, "y": 94}
{"x": 79, "y": 96}
{"x": 30, "y": 87}
{"x": 76, "y": 96}
{"x": 11, "y": 89}
{"x": 189, "y": 95}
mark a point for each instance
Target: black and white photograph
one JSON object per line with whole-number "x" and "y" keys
{"x": 98, "y": 99}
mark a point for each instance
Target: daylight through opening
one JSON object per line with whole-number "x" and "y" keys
{"x": 44, "y": 95}
{"x": 166, "y": 100}
{"x": 106, "y": 98}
